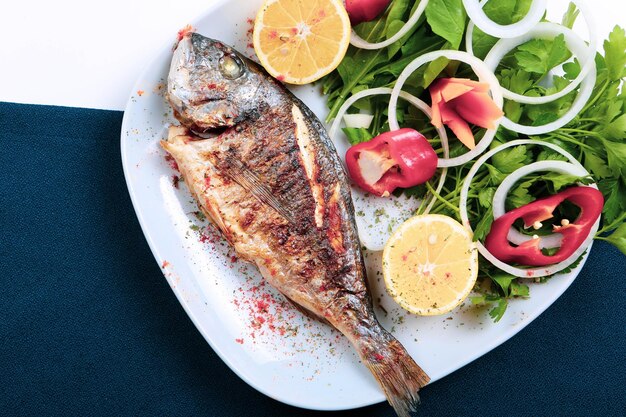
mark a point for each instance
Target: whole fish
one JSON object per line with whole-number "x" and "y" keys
{"x": 262, "y": 167}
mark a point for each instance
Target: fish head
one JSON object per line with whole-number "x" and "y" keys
{"x": 210, "y": 85}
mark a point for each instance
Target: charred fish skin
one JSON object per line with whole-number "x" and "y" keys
{"x": 274, "y": 185}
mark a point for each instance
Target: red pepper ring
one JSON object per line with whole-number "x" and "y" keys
{"x": 590, "y": 201}
{"x": 400, "y": 158}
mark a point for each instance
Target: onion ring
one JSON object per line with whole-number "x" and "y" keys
{"x": 356, "y": 40}
{"x": 547, "y": 241}
{"x": 484, "y": 75}
{"x": 475, "y": 12}
{"x": 586, "y": 88}
{"x": 545, "y": 30}
{"x": 520, "y": 272}
{"x": 332, "y": 132}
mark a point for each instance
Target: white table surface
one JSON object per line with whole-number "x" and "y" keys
{"x": 88, "y": 54}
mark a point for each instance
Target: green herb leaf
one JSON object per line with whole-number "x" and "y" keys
{"x": 511, "y": 159}
{"x": 484, "y": 226}
{"x": 504, "y": 282}
{"x": 569, "y": 18}
{"x": 485, "y": 196}
{"x": 618, "y": 238}
{"x": 541, "y": 55}
{"x": 616, "y": 153}
{"x": 357, "y": 135}
{"x": 447, "y": 19}
{"x": 498, "y": 311}
{"x": 519, "y": 290}
{"x": 615, "y": 53}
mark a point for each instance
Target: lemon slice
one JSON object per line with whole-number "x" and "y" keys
{"x": 299, "y": 41}
{"x": 430, "y": 264}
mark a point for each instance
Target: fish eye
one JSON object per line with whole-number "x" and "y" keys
{"x": 231, "y": 66}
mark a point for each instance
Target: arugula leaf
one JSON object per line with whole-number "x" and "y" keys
{"x": 615, "y": 53}
{"x": 618, "y": 238}
{"x": 447, "y": 19}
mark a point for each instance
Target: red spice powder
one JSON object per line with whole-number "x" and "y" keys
{"x": 171, "y": 162}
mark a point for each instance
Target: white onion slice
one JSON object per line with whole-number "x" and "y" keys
{"x": 359, "y": 42}
{"x": 545, "y": 30}
{"x": 475, "y": 12}
{"x": 521, "y": 272}
{"x": 484, "y": 75}
{"x": 358, "y": 120}
{"x": 548, "y": 241}
{"x": 469, "y": 33}
{"x": 374, "y": 231}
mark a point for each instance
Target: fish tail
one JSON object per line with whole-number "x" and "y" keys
{"x": 396, "y": 372}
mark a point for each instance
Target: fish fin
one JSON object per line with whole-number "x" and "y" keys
{"x": 396, "y": 372}
{"x": 249, "y": 180}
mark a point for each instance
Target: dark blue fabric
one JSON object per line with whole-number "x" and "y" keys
{"x": 89, "y": 326}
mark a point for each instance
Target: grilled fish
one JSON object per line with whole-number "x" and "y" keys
{"x": 262, "y": 167}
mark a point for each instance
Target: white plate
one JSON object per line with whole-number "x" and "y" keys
{"x": 261, "y": 337}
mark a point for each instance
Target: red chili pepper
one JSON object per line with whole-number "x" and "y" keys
{"x": 401, "y": 158}
{"x": 588, "y": 199}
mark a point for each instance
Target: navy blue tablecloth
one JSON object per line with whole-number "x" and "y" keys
{"x": 90, "y": 327}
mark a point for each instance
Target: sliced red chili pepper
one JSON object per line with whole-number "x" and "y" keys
{"x": 588, "y": 199}
{"x": 401, "y": 158}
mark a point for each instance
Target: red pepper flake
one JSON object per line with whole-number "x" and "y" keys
{"x": 273, "y": 34}
{"x": 281, "y": 78}
{"x": 250, "y": 45}
{"x": 294, "y": 31}
{"x": 233, "y": 259}
{"x": 378, "y": 357}
{"x": 250, "y": 21}
{"x": 530, "y": 273}
{"x": 140, "y": 93}
{"x": 165, "y": 264}
{"x": 175, "y": 181}
{"x": 207, "y": 181}
{"x": 240, "y": 341}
